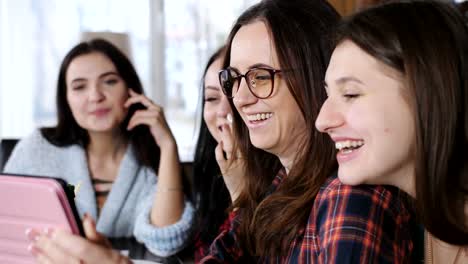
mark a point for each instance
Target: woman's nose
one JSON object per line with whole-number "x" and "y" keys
{"x": 329, "y": 117}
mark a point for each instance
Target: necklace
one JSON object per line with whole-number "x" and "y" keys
{"x": 428, "y": 241}
{"x": 429, "y": 254}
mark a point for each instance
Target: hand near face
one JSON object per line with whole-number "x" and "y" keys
{"x": 62, "y": 247}
{"x": 231, "y": 163}
{"x": 153, "y": 117}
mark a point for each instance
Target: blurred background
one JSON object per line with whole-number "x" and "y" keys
{"x": 168, "y": 42}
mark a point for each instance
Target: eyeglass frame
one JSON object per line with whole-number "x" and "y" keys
{"x": 239, "y": 77}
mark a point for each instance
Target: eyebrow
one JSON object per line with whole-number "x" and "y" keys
{"x": 261, "y": 65}
{"x": 99, "y": 77}
{"x": 342, "y": 81}
{"x": 211, "y": 87}
{"x": 347, "y": 79}
{"x": 256, "y": 65}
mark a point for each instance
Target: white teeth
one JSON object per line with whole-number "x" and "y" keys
{"x": 348, "y": 144}
{"x": 257, "y": 117}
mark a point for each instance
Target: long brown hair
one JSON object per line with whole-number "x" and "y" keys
{"x": 427, "y": 42}
{"x": 269, "y": 224}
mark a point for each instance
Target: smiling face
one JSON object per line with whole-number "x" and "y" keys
{"x": 368, "y": 117}
{"x": 96, "y": 93}
{"x": 216, "y": 108}
{"x": 276, "y": 123}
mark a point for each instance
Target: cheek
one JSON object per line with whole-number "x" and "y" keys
{"x": 123, "y": 96}
{"x": 360, "y": 119}
{"x": 209, "y": 116}
{"x": 75, "y": 105}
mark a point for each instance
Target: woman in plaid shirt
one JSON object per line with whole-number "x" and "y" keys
{"x": 293, "y": 208}
{"x": 407, "y": 112}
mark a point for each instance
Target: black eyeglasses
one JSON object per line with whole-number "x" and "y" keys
{"x": 260, "y": 81}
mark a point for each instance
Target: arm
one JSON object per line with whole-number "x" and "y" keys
{"x": 168, "y": 201}
{"x": 163, "y": 241}
{"x": 225, "y": 248}
{"x": 165, "y": 220}
{"x": 362, "y": 224}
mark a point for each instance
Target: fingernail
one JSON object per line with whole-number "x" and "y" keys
{"x": 33, "y": 249}
{"x": 229, "y": 118}
{"x": 48, "y": 232}
{"x": 31, "y": 234}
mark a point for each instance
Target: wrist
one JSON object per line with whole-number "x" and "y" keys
{"x": 120, "y": 259}
{"x": 168, "y": 145}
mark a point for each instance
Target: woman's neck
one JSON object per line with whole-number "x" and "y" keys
{"x": 105, "y": 145}
{"x": 405, "y": 180}
{"x": 287, "y": 160}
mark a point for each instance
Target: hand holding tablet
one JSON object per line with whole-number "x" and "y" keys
{"x": 38, "y": 203}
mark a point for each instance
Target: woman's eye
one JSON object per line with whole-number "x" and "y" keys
{"x": 111, "y": 81}
{"x": 210, "y": 99}
{"x": 351, "y": 96}
{"x": 263, "y": 77}
{"x": 78, "y": 87}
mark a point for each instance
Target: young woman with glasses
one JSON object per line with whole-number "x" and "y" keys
{"x": 293, "y": 208}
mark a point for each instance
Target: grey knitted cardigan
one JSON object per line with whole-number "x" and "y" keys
{"x": 127, "y": 208}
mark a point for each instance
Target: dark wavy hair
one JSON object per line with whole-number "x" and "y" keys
{"x": 299, "y": 30}
{"x": 68, "y": 132}
{"x": 210, "y": 192}
{"x": 427, "y": 41}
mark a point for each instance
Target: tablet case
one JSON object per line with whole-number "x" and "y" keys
{"x": 32, "y": 202}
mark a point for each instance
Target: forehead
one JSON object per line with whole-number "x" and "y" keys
{"x": 252, "y": 44}
{"x": 89, "y": 66}
{"x": 213, "y": 69}
{"x": 350, "y": 60}
{"x": 211, "y": 76}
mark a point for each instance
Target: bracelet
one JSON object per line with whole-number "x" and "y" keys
{"x": 170, "y": 189}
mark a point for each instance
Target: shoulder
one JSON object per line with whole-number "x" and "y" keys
{"x": 374, "y": 221}
{"x": 362, "y": 200}
{"x": 34, "y": 143}
{"x": 33, "y": 152}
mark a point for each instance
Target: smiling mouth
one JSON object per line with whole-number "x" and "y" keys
{"x": 100, "y": 112}
{"x": 348, "y": 146}
{"x": 259, "y": 117}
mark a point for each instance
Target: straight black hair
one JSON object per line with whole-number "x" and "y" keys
{"x": 210, "y": 192}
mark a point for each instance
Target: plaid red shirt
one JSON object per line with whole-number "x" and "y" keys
{"x": 202, "y": 248}
{"x": 347, "y": 224}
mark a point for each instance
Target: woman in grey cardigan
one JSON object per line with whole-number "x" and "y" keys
{"x": 110, "y": 140}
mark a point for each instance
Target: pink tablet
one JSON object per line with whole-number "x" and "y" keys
{"x": 32, "y": 202}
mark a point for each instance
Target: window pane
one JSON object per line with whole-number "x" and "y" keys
{"x": 36, "y": 35}
{"x": 194, "y": 29}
